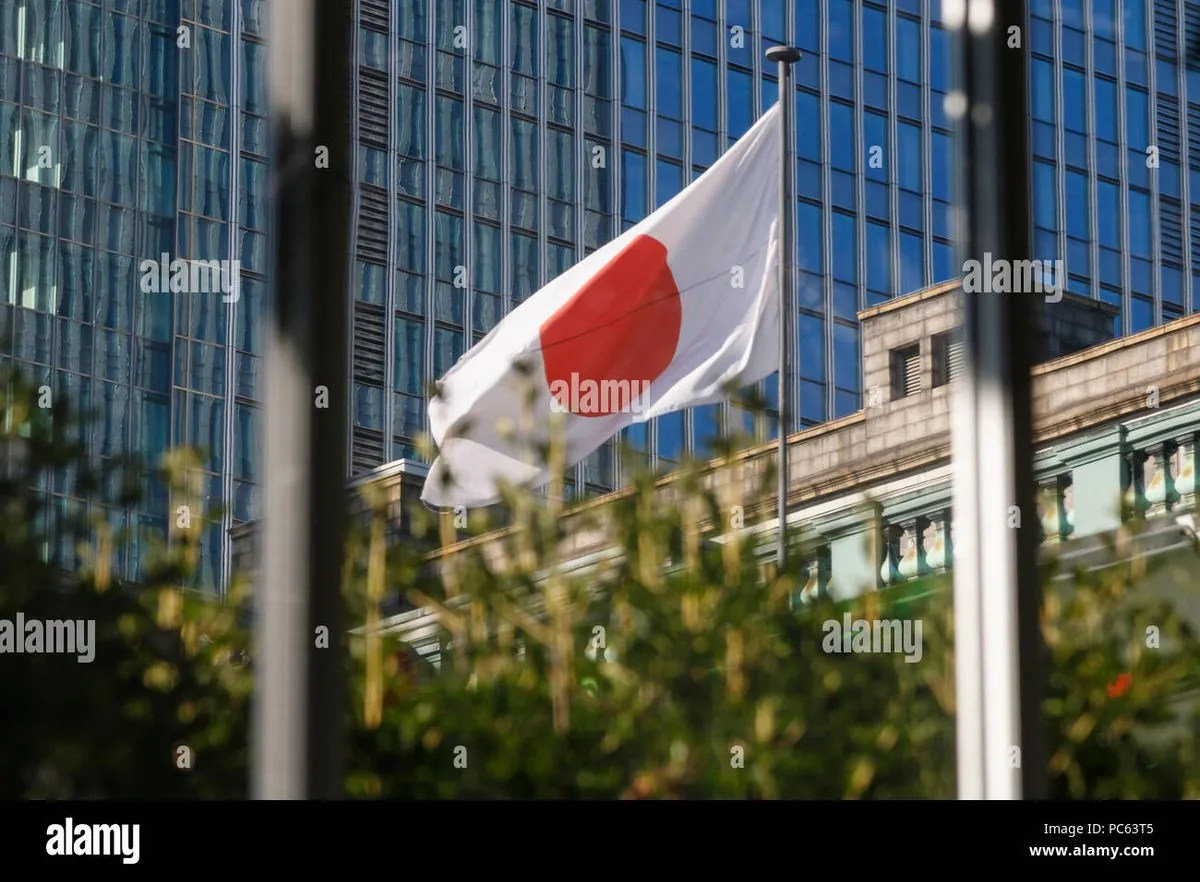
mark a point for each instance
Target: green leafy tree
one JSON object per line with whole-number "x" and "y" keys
{"x": 711, "y": 685}
{"x": 160, "y": 710}
{"x": 682, "y": 668}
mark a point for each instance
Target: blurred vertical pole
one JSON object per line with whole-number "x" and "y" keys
{"x": 785, "y": 57}
{"x": 298, "y": 700}
{"x": 997, "y": 594}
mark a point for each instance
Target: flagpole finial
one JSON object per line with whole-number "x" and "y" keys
{"x": 784, "y": 54}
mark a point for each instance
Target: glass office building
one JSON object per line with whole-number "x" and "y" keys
{"x": 129, "y": 130}
{"x": 500, "y": 141}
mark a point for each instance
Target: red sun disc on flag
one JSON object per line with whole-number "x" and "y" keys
{"x": 616, "y": 334}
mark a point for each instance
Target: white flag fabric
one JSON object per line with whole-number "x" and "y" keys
{"x": 658, "y": 320}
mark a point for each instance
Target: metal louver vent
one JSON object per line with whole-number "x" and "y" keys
{"x": 1166, "y": 30}
{"x": 1193, "y": 121}
{"x": 948, "y": 357}
{"x": 1171, "y": 230}
{"x": 912, "y": 374}
{"x": 906, "y": 371}
{"x": 1191, "y": 35}
{"x": 954, "y": 360}
{"x": 369, "y": 344}
{"x": 372, "y": 232}
{"x": 374, "y": 14}
{"x": 367, "y": 451}
{"x": 373, "y": 108}
{"x": 1168, "y": 127}
{"x": 1194, "y": 222}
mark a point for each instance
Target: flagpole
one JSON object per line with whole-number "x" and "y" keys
{"x": 297, "y": 734}
{"x": 785, "y": 57}
{"x": 998, "y": 649}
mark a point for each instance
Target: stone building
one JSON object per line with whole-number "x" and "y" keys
{"x": 1115, "y": 430}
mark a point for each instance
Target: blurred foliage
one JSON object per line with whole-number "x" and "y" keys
{"x": 680, "y": 668}
{"x": 159, "y": 679}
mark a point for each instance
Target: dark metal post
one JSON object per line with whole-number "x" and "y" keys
{"x": 785, "y": 57}
{"x": 298, "y": 709}
{"x": 997, "y": 595}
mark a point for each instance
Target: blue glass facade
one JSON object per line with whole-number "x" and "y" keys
{"x": 1113, "y": 106}
{"x": 528, "y": 134}
{"x": 132, "y": 129}
{"x": 498, "y": 142}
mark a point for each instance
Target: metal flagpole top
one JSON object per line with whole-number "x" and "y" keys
{"x": 784, "y": 54}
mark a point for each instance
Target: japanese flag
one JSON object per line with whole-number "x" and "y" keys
{"x": 658, "y": 320}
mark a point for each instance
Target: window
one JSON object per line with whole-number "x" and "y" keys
{"x": 740, "y": 105}
{"x": 940, "y": 62}
{"x": 943, "y": 167}
{"x": 524, "y": 40}
{"x": 408, "y": 374}
{"x": 669, "y": 25}
{"x": 633, "y": 16}
{"x": 448, "y": 140}
{"x": 447, "y": 349}
{"x": 560, "y": 165}
{"x": 633, "y": 73}
{"x": 486, "y": 264}
{"x": 597, "y": 74}
{"x": 1045, "y": 203}
{"x": 670, "y": 438}
{"x": 947, "y": 358}
{"x": 910, "y": 158}
{"x": 912, "y": 262}
{"x": 1139, "y": 231}
{"x": 633, "y": 186}
{"x": 845, "y": 255}
{"x": 906, "y": 371}
{"x": 560, "y": 50}
{"x": 841, "y": 30}
{"x": 1042, "y": 90}
{"x": 668, "y": 69}
{"x": 875, "y": 131}
{"x": 847, "y": 365}
{"x": 908, "y": 49}
{"x": 487, "y": 29}
{"x": 704, "y": 94}
{"x": 704, "y": 35}
{"x": 1075, "y": 103}
{"x": 523, "y": 155}
{"x": 1105, "y": 104}
{"x": 524, "y": 266}
{"x": 1135, "y": 23}
{"x": 874, "y": 35}
{"x": 879, "y": 258}
{"x": 668, "y": 183}
{"x": 811, "y": 333}
{"x": 488, "y": 150}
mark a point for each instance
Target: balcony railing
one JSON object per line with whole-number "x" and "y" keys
{"x": 1147, "y": 469}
